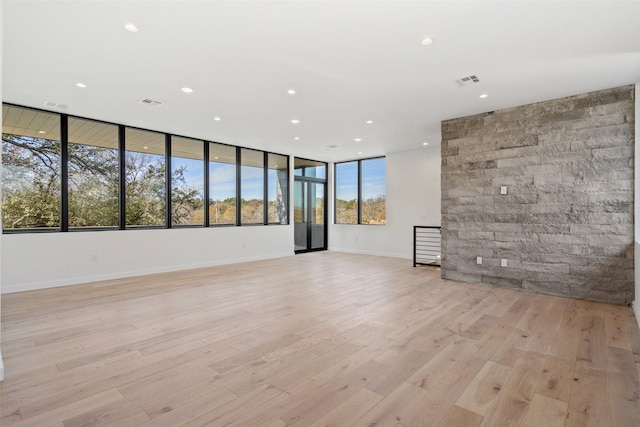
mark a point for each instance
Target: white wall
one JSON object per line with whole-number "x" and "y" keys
{"x": 42, "y": 260}
{"x": 413, "y": 198}
{"x": 636, "y": 302}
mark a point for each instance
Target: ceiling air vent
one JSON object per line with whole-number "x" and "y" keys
{"x": 150, "y": 102}
{"x": 54, "y": 105}
{"x": 469, "y": 80}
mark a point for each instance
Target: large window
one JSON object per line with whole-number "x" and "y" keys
{"x": 252, "y": 186}
{"x": 31, "y": 176}
{"x": 360, "y": 189}
{"x": 347, "y": 193}
{"x": 64, "y": 173}
{"x": 222, "y": 184}
{"x": 187, "y": 181}
{"x": 374, "y": 191}
{"x": 278, "y": 191}
{"x": 93, "y": 174}
{"x": 145, "y": 178}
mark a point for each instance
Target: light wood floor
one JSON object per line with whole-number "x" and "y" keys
{"x": 315, "y": 340}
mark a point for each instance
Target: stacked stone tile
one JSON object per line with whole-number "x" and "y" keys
{"x": 566, "y": 223}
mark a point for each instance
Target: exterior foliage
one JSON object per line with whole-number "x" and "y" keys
{"x": 31, "y": 188}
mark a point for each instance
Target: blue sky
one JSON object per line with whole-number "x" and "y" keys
{"x": 223, "y": 179}
{"x": 374, "y": 173}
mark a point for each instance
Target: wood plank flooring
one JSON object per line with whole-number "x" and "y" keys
{"x": 321, "y": 339}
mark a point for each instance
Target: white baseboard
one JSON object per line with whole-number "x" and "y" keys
{"x": 22, "y": 287}
{"x": 636, "y": 311}
{"x": 374, "y": 253}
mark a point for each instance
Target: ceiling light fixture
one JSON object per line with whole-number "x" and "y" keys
{"x": 425, "y": 143}
{"x": 131, "y": 27}
{"x": 369, "y": 122}
{"x": 483, "y": 96}
{"x": 82, "y": 85}
{"x": 295, "y": 121}
{"x": 41, "y": 131}
{"x": 186, "y": 89}
{"x": 359, "y": 152}
{"x": 217, "y": 119}
{"x": 357, "y": 139}
{"x": 145, "y": 147}
{"x": 427, "y": 41}
{"x": 291, "y": 92}
{"x": 297, "y": 138}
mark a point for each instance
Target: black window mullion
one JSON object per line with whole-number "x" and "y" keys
{"x": 359, "y": 191}
{"x": 64, "y": 172}
{"x": 168, "y": 180}
{"x": 335, "y": 191}
{"x": 122, "y": 199}
{"x": 326, "y": 214}
{"x": 265, "y": 187}
{"x": 238, "y": 183}
{"x": 289, "y": 190}
{"x": 206, "y": 183}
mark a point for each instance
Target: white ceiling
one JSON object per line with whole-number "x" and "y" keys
{"x": 349, "y": 61}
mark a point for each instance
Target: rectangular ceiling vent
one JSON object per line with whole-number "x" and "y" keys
{"x": 150, "y": 102}
{"x": 54, "y": 105}
{"x": 469, "y": 80}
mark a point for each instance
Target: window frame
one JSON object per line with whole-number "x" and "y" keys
{"x": 121, "y": 155}
{"x": 359, "y": 190}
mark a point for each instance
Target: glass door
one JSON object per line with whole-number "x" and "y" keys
{"x": 309, "y": 205}
{"x": 309, "y": 216}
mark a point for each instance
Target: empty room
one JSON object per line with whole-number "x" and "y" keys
{"x": 319, "y": 213}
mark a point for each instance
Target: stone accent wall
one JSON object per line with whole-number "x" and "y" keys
{"x": 565, "y": 225}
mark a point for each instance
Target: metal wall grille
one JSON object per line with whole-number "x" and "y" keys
{"x": 426, "y": 245}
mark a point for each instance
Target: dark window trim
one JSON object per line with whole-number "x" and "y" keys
{"x": 238, "y": 184}
{"x": 205, "y": 164}
{"x": 168, "y": 182}
{"x": 64, "y": 205}
{"x": 359, "y": 201}
{"x": 64, "y": 173}
{"x": 265, "y": 188}
{"x": 122, "y": 190}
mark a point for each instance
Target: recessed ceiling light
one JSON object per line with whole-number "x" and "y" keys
{"x": 425, "y": 143}
{"x": 291, "y": 92}
{"x": 359, "y": 152}
{"x": 369, "y": 122}
{"x": 131, "y": 27}
{"x": 82, "y": 85}
{"x": 427, "y": 41}
{"x": 186, "y": 89}
{"x": 217, "y": 119}
{"x": 216, "y": 157}
{"x": 357, "y": 139}
{"x": 483, "y": 96}
{"x": 145, "y": 147}
{"x": 295, "y": 121}
{"x": 297, "y": 138}
{"x": 41, "y": 131}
